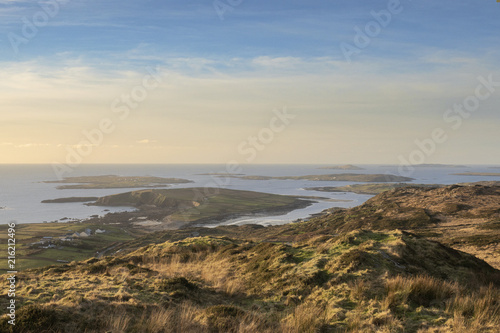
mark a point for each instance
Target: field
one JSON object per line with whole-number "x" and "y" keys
{"x": 30, "y": 256}
{"x": 168, "y": 209}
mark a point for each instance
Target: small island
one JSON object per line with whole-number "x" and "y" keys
{"x": 220, "y": 174}
{"x": 342, "y": 167}
{"x": 427, "y": 165}
{"x": 349, "y": 177}
{"x": 112, "y": 181}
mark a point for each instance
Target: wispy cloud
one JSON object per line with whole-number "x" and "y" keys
{"x": 146, "y": 141}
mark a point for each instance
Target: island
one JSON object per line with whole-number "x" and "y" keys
{"x": 220, "y": 174}
{"x": 112, "y": 181}
{"x": 71, "y": 199}
{"x": 375, "y": 188}
{"x": 349, "y": 177}
{"x": 427, "y": 165}
{"x": 485, "y": 174}
{"x": 342, "y": 167}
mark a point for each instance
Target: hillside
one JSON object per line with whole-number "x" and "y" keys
{"x": 359, "y": 281}
{"x": 350, "y": 270}
{"x": 464, "y": 217}
{"x": 43, "y": 244}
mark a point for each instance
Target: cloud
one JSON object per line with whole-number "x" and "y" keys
{"x": 341, "y": 109}
{"x": 33, "y": 145}
{"x": 146, "y": 141}
{"x": 279, "y": 62}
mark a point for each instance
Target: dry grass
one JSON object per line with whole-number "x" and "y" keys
{"x": 306, "y": 318}
{"x": 216, "y": 272}
{"x": 419, "y": 290}
{"x": 219, "y": 285}
{"x": 478, "y": 310}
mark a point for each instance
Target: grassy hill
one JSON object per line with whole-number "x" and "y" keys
{"x": 167, "y": 208}
{"x": 465, "y": 217}
{"x": 330, "y": 274}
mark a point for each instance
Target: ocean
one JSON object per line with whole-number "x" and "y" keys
{"x": 22, "y": 188}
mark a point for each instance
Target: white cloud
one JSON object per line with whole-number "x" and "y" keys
{"x": 340, "y": 108}
{"x": 146, "y": 141}
{"x": 278, "y": 62}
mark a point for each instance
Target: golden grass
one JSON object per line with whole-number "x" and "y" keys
{"x": 215, "y": 285}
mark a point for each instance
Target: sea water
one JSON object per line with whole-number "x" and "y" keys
{"x": 22, "y": 188}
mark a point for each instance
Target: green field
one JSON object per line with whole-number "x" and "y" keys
{"x": 28, "y": 256}
{"x": 189, "y": 206}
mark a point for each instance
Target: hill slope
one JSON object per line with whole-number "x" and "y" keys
{"x": 464, "y": 217}
{"x": 346, "y": 271}
{"x": 359, "y": 281}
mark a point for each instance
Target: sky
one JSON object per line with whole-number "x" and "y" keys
{"x": 249, "y": 81}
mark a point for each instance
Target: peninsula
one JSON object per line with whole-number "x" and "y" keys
{"x": 182, "y": 207}
{"x": 487, "y": 174}
{"x": 375, "y": 188}
{"x": 70, "y": 199}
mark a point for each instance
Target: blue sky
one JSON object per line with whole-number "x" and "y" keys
{"x": 221, "y": 79}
